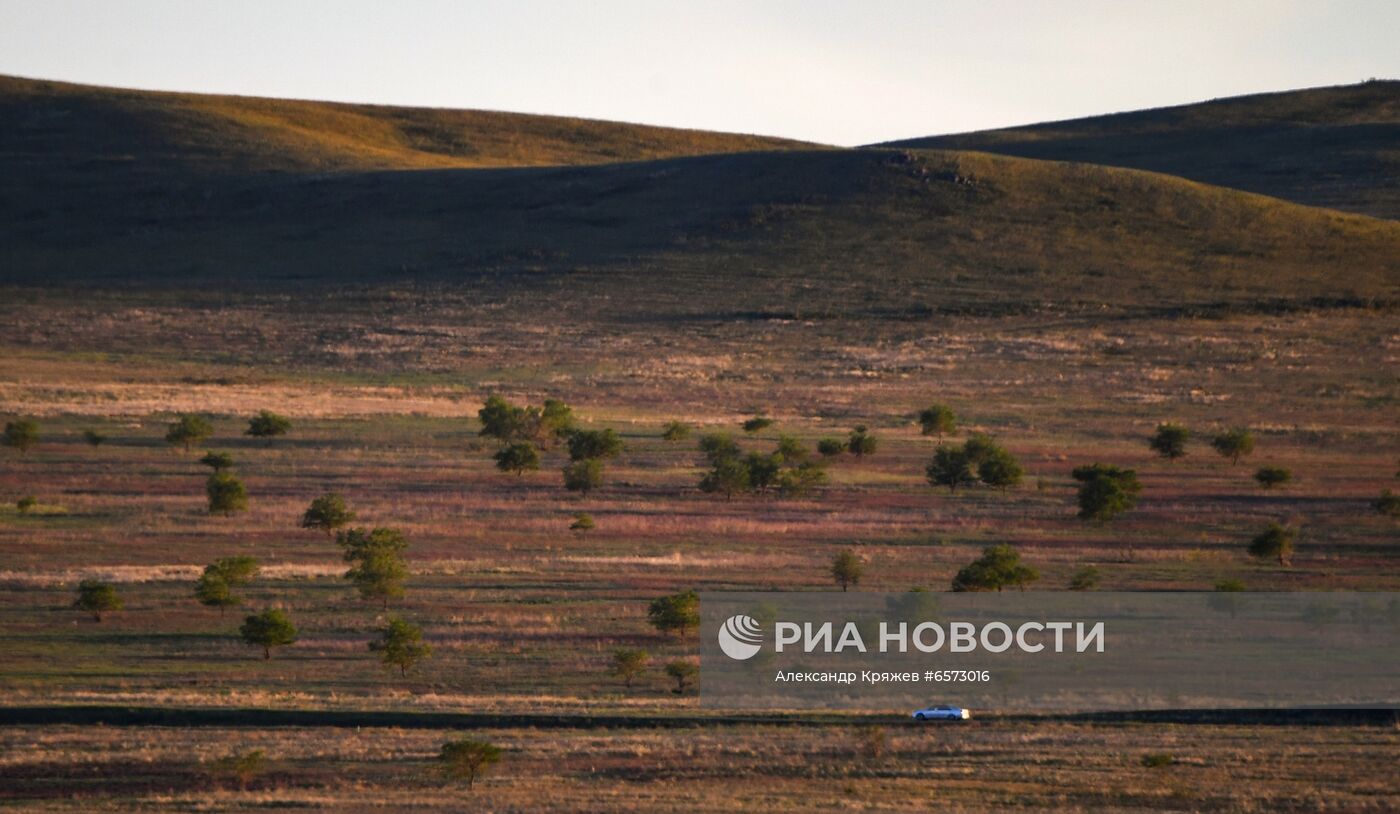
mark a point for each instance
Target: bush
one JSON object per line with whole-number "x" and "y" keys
{"x": 518, "y": 457}
{"x": 267, "y": 630}
{"x": 1388, "y": 504}
{"x": 598, "y": 445}
{"x": 467, "y": 760}
{"x": 1271, "y": 476}
{"x": 939, "y": 420}
{"x": 683, "y": 672}
{"x": 267, "y": 424}
{"x": 1170, "y": 441}
{"x": 20, "y": 435}
{"x": 846, "y": 569}
{"x": 676, "y": 614}
{"x": 583, "y": 522}
{"x": 1157, "y": 760}
{"x": 1105, "y": 491}
{"x": 400, "y": 645}
{"x": 97, "y": 597}
{"x": 94, "y": 438}
{"x": 328, "y": 513}
{"x": 1085, "y": 579}
{"x": 226, "y": 494}
{"x": 861, "y": 443}
{"x": 242, "y": 766}
{"x": 676, "y": 431}
{"x": 377, "y": 568}
{"x": 757, "y": 423}
{"x": 27, "y": 504}
{"x": 188, "y": 430}
{"x": 583, "y": 476}
{"x": 629, "y": 663}
{"x": 831, "y": 447}
{"x": 217, "y": 461}
{"x": 999, "y": 567}
{"x": 1275, "y": 541}
{"x": 950, "y": 467}
{"x": 1234, "y": 443}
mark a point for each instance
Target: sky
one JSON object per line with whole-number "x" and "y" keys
{"x": 834, "y": 72}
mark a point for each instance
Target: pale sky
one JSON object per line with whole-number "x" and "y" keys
{"x": 835, "y": 72}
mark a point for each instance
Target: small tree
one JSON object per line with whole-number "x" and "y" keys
{"x": 1275, "y": 541}
{"x": 243, "y": 767}
{"x": 801, "y": 479}
{"x": 504, "y": 421}
{"x": 728, "y": 477}
{"x": 676, "y": 431}
{"x": 861, "y": 443}
{"x": 267, "y": 630}
{"x": 597, "y": 445}
{"x": 467, "y": 760}
{"x": 676, "y": 614}
{"x": 27, "y": 504}
{"x": 846, "y": 569}
{"x": 1000, "y": 470}
{"x": 20, "y": 435}
{"x": 950, "y": 467}
{"x": 718, "y": 446}
{"x": 97, "y": 597}
{"x": 629, "y": 663}
{"x": 329, "y": 513}
{"x": 188, "y": 430}
{"x": 556, "y": 420}
{"x": 1170, "y": 441}
{"x": 683, "y": 672}
{"x": 267, "y": 424}
{"x": 757, "y": 424}
{"x": 215, "y": 586}
{"x": 1085, "y": 579}
{"x": 94, "y": 438}
{"x": 226, "y": 494}
{"x": 1387, "y": 504}
{"x": 217, "y": 461}
{"x": 1271, "y": 476}
{"x": 999, "y": 567}
{"x": 1234, "y": 443}
{"x": 583, "y": 476}
{"x": 939, "y": 420}
{"x": 583, "y": 523}
{"x": 1105, "y": 491}
{"x": 400, "y": 645}
{"x": 518, "y": 457}
{"x": 763, "y": 470}
{"x": 790, "y": 450}
{"x": 831, "y": 447}
{"x": 376, "y": 559}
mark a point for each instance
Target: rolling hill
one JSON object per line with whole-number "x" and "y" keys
{"x": 1337, "y": 147}
{"x": 141, "y": 199}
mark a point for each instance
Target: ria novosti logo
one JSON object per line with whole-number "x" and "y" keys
{"x": 740, "y": 637}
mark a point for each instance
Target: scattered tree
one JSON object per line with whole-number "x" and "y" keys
{"x": 217, "y": 461}
{"x": 790, "y": 450}
{"x": 846, "y": 569}
{"x": 729, "y": 476}
{"x": 763, "y": 470}
{"x": 939, "y": 420}
{"x": 999, "y": 469}
{"x": 215, "y": 586}
{"x": 1234, "y": 443}
{"x": 1387, "y": 504}
{"x": 583, "y": 476}
{"x": 583, "y": 523}
{"x": 27, "y": 504}
{"x": 860, "y": 442}
{"x": 329, "y": 513}
{"x": 1170, "y": 441}
{"x": 1085, "y": 579}
{"x": 598, "y": 445}
{"x": 242, "y": 766}
{"x": 20, "y": 435}
{"x": 718, "y": 446}
{"x": 831, "y": 447}
{"x": 518, "y": 457}
{"x": 267, "y": 424}
{"x": 97, "y": 597}
{"x": 94, "y": 438}
{"x": 1271, "y": 476}
{"x": 676, "y": 614}
{"x": 467, "y": 760}
{"x": 999, "y": 567}
{"x": 676, "y": 431}
{"x": 1106, "y": 491}
{"x": 950, "y": 467}
{"x": 188, "y": 430}
{"x": 400, "y": 644}
{"x": 267, "y": 630}
{"x": 556, "y": 420}
{"x": 226, "y": 494}
{"x": 799, "y": 480}
{"x": 628, "y": 663}
{"x": 508, "y": 423}
{"x": 376, "y": 562}
{"x": 684, "y": 673}
{"x": 757, "y": 424}
{"x": 1275, "y": 541}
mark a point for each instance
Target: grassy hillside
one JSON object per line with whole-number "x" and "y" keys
{"x": 1337, "y": 147}
{"x": 795, "y": 232}
{"x": 68, "y": 127}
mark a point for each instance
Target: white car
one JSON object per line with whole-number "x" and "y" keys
{"x": 941, "y": 712}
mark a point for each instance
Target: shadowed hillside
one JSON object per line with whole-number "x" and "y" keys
{"x": 1337, "y": 147}
{"x": 70, "y": 127}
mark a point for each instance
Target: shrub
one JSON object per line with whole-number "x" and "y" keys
{"x": 1000, "y": 470}
{"x": 267, "y": 424}
{"x": 728, "y": 477}
{"x": 20, "y": 435}
{"x": 188, "y": 430}
{"x": 683, "y": 672}
{"x": 467, "y": 760}
{"x": 676, "y": 431}
{"x": 94, "y": 438}
{"x": 1275, "y": 541}
{"x": 756, "y": 424}
{"x": 1234, "y": 443}
{"x": 718, "y": 446}
{"x": 676, "y": 614}
{"x": 377, "y": 569}
{"x": 999, "y": 567}
{"x": 1271, "y": 476}
{"x": 1388, "y": 504}
{"x": 583, "y": 523}
{"x": 1157, "y": 760}
{"x": 242, "y": 766}
{"x": 215, "y": 586}
{"x": 790, "y": 450}
{"x": 950, "y": 467}
{"x": 831, "y": 447}
{"x": 860, "y": 442}
{"x": 329, "y": 513}
{"x": 1170, "y": 441}
{"x": 629, "y": 663}
{"x": 1085, "y": 579}
{"x": 1105, "y": 491}
{"x": 846, "y": 569}
{"x": 226, "y": 494}
{"x": 518, "y": 457}
{"x": 217, "y": 461}
{"x": 583, "y": 476}
{"x": 267, "y": 630}
{"x": 939, "y": 420}
{"x": 27, "y": 504}
{"x": 800, "y": 480}
{"x": 400, "y": 645}
{"x": 97, "y": 597}
{"x": 594, "y": 445}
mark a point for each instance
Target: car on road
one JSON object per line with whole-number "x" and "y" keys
{"x": 941, "y": 712}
